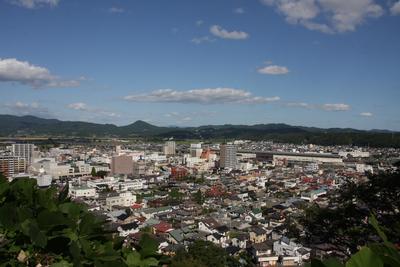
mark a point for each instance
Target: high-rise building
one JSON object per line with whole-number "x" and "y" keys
{"x": 11, "y": 165}
{"x": 195, "y": 150}
{"x": 169, "y": 148}
{"x": 139, "y": 168}
{"x": 228, "y": 156}
{"x": 25, "y": 151}
{"x": 122, "y": 165}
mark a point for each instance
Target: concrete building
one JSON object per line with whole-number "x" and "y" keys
{"x": 125, "y": 199}
{"x": 25, "y": 151}
{"x": 81, "y": 191}
{"x": 169, "y": 148}
{"x": 228, "y": 156}
{"x": 195, "y": 150}
{"x": 122, "y": 165}
{"x": 43, "y": 180}
{"x": 295, "y": 157}
{"x": 139, "y": 168}
{"x": 51, "y": 167}
{"x": 11, "y": 165}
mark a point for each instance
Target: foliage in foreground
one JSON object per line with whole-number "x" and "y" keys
{"x": 344, "y": 222}
{"x": 202, "y": 254}
{"x": 374, "y": 255}
{"x": 42, "y": 227}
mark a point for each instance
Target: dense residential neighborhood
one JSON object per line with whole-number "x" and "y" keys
{"x": 243, "y": 196}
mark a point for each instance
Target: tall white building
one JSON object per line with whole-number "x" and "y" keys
{"x": 169, "y": 148}
{"x": 228, "y": 156}
{"x": 195, "y": 150}
{"x": 25, "y": 151}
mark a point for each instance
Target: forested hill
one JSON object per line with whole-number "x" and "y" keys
{"x": 33, "y": 126}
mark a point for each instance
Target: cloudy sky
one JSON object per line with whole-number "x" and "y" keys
{"x": 324, "y": 63}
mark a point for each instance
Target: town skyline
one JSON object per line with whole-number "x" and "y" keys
{"x": 313, "y": 63}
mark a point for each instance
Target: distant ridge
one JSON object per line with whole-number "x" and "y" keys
{"x": 12, "y": 126}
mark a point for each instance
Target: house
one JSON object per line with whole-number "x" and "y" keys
{"x": 125, "y": 199}
{"x": 82, "y": 191}
{"x": 257, "y": 235}
{"x": 208, "y": 225}
{"x": 257, "y": 214}
{"x": 231, "y": 250}
{"x": 175, "y": 236}
{"x": 162, "y": 227}
{"x": 127, "y": 229}
{"x": 239, "y": 240}
{"x": 291, "y": 251}
{"x": 217, "y": 239}
{"x": 263, "y": 254}
{"x": 222, "y": 230}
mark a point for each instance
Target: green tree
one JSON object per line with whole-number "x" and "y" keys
{"x": 101, "y": 174}
{"x": 383, "y": 254}
{"x": 44, "y": 227}
{"x": 203, "y": 253}
{"x": 198, "y": 197}
{"x": 175, "y": 196}
{"x": 94, "y": 173}
{"x": 344, "y": 222}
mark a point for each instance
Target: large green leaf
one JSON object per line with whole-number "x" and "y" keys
{"x": 149, "y": 262}
{"x": 148, "y": 246}
{"x": 48, "y": 219}
{"x": 374, "y": 223}
{"x": 364, "y": 258}
{"x": 23, "y": 189}
{"x": 62, "y": 264}
{"x": 315, "y": 263}
{"x": 8, "y": 216}
{"x": 333, "y": 262}
{"x": 132, "y": 259}
{"x": 390, "y": 256}
{"x": 4, "y": 187}
{"x": 72, "y": 210}
{"x": 30, "y": 228}
{"x": 90, "y": 224}
{"x": 75, "y": 251}
{"x": 46, "y": 199}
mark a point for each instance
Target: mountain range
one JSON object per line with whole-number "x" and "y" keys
{"x": 11, "y": 126}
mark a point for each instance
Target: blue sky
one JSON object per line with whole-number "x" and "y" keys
{"x": 324, "y": 63}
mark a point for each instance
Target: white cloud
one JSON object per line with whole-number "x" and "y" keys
{"x": 273, "y": 70}
{"x": 178, "y": 118}
{"x": 21, "y": 109}
{"x": 327, "y": 16}
{"x": 366, "y": 114}
{"x": 335, "y": 107}
{"x": 35, "y": 3}
{"x": 199, "y": 22}
{"x": 204, "y": 39}
{"x": 225, "y": 34}
{"x": 298, "y": 10}
{"x": 395, "y": 9}
{"x": 116, "y": 10}
{"x": 238, "y": 10}
{"x": 80, "y": 106}
{"x": 326, "y": 107}
{"x": 202, "y": 96}
{"x": 300, "y": 105}
{"x": 13, "y": 70}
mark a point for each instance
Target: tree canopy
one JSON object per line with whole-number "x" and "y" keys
{"x": 344, "y": 223}
{"x": 44, "y": 227}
